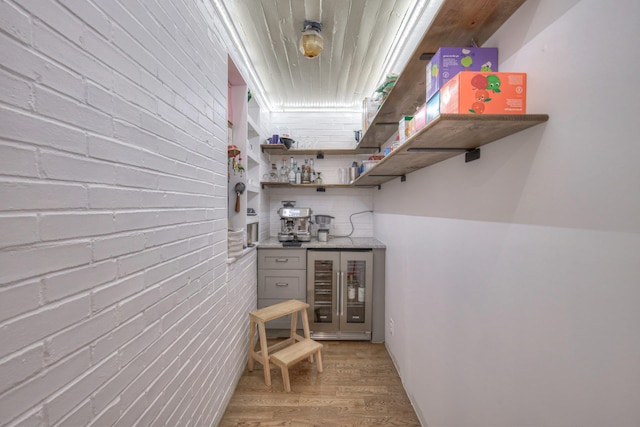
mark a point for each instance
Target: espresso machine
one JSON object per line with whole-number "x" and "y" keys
{"x": 294, "y": 224}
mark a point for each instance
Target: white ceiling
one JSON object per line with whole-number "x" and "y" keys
{"x": 363, "y": 40}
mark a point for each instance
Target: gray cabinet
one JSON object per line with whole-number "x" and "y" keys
{"x": 281, "y": 277}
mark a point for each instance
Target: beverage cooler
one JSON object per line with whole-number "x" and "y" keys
{"x": 339, "y": 293}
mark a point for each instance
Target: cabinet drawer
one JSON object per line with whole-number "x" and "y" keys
{"x": 283, "y": 284}
{"x": 289, "y": 259}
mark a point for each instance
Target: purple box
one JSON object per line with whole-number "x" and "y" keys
{"x": 449, "y": 61}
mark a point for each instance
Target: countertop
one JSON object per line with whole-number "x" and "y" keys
{"x": 333, "y": 243}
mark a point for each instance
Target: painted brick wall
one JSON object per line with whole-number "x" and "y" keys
{"x": 117, "y": 306}
{"x": 337, "y": 202}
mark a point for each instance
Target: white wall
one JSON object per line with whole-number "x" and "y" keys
{"x": 513, "y": 281}
{"x": 116, "y": 303}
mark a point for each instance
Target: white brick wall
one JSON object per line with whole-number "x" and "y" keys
{"x": 318, "y": 129}
{"x": 337, "y": 202}
{"x": 117, "y": 306}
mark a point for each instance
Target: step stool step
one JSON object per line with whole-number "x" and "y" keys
{"x": 295, "y": 353}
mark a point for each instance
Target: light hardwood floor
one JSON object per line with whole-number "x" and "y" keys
{"x": 359, "y": 387}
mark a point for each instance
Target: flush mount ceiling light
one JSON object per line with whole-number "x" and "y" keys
{"x": 311, "y": 41}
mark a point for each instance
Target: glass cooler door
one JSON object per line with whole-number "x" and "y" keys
{"x": 357, "y": 271}
{"x": 322, "y": 291}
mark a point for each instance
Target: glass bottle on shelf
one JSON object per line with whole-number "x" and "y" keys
{"x": 351, "y": 288}
{"x": 292, "y": 172}
{"x": 312, "y": 172}
{"x": 273, "y": 176}
{"x": 361, "y": 292}
{"x": 306, "y": 177}
{"x": 284, "y": 171}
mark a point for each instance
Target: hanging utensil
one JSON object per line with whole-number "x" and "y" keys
{"x": 240, "y": 187}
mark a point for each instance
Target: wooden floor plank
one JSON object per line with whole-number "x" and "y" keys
{"x": 359, "y": 387}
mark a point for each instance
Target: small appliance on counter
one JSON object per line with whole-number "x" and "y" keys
{"x": 294, "y": 223}
{"x": 252, "y": 233}
{"x": 323, "y": 222}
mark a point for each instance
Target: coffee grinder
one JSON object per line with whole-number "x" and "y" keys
{"x": 323, "y": 222}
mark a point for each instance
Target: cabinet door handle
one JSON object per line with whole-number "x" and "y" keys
{"x": 282, "y": 284}
{"x": 343, "y": 297}
{"x": 339, "y": 296}
{"x": 282, "y": 259}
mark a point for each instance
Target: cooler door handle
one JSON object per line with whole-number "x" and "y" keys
{"x": 342, "y": 283}
{"x": 339, "y": 291}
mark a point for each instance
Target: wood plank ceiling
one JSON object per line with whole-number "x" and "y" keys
{"x": 360, "y": 40}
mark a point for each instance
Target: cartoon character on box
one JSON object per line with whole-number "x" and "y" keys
{"x": 435, "y": 70}
{"x": 483, "y": 85}
{"x": 467, "y": 61}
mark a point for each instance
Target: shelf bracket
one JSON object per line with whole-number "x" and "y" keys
{"x": 321, "y": 189}
{"x": 438, "y": 150}
{"x": 403, "y": 178}
{"x": 470, "y": 154}
{"x": 319, "y": 155}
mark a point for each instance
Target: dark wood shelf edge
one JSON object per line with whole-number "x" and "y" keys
{"x": 280, "y": 149}
{"x": 286, "y": 184}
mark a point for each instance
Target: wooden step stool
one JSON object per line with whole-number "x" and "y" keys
{"x": 285, "y": 353}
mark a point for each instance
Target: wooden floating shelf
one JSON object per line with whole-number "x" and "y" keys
{"x": 445, "y": 137}
{"x": 316, "y": 186}
{"x": 457, "y": 23}
{"x": 280, "y": 149}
